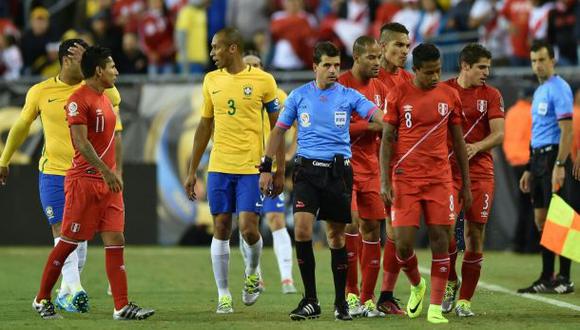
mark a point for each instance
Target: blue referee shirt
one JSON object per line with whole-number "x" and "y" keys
{"x": 552, "y": 102}
{"x": 323, "y": 117}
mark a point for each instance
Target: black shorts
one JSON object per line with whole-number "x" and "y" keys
{"x": 323, "y": 188}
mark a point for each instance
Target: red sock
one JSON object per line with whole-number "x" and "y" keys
{"x": 439, "y": 275}
{"x": 359, "y": 249}
{"x": 53, "y": 267}
{"x": 391, "y": 267}
{"x": 411, "y": 269}
{"x": 371, "y": 264}
{"x": 452, "y": 258}
{"x": 117, "y": 276}
{"x": 470, "y": 271}
{"x": 352, "y": 255}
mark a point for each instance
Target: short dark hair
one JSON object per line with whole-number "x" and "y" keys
{"x": 94, "y": 56}
{"x": 325, "y": 48}
{"x": 537, "y": 45}
{"x": 425, "y": 52}
{"x": 65, "y": 45}
{"x": 232, "y": 36}
{"x": 361, "y": 43}
{"x": 393, "y": 27}
{"x": 472, "y": 53}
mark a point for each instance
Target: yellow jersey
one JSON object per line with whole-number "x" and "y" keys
{"x": 47, "y": 100}
{"x": 236, "y": 103}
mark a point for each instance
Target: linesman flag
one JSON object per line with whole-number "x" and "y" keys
{"x": 562, "y": 229}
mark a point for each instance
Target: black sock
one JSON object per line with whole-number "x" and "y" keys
{"x": 307, "y": 265}
{"x": 565, "y": 267}
{"x": 548, "y": 258}
{"x": 385, "y": 296}
{"x": 339, "y": 269}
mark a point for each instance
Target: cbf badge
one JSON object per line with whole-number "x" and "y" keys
{"x": 340, "y": 119}
{"x": 443, "y": 109}
{"x": 304, "y": 119}
{"x": 248, "y": 91}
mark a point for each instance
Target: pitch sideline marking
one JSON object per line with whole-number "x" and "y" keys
{"x": 501, "y": 289}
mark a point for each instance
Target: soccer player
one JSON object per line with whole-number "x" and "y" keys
{"x": 46, "y": 100}
{"x": 483, "y": 126}
{"x": 234, "y": 97}
{"x": 550, "y": 167}
{"x": 423, "y": 111}
{"x": 273, "y": 208}
{"x": 93, "y": 188}
{"x": 322, "y": 173}
{"x": 367, "y": 207}
{"x": 394, "y": 39}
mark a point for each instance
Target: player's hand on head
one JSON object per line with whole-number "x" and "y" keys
{"x": 76, "y": 52}
{"x": 189, "y": 186}
{"x": 266, "y": 184}
{"x": 3, "y": 175}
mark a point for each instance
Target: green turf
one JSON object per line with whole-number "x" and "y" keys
{"x": 178, "y": 283}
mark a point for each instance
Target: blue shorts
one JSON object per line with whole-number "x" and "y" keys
{"x": 233, "y": 193}
{"x": 275, "y": 204}
{"x": 51, "y": 188}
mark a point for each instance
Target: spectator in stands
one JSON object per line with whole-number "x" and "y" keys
{"x": 106, "y": 34}
{"x": 36, "y": 42}
{"x": 538, "y": 22}
{"x": 125, "y": 13}
{"x": 385, "y": 14}
{"x": 248, "y": 16}
{"x": 458, "y": 16}
{"x": 191, "y": 37}
{"x": 132, "y": 60}
{"x": 8, "y": 27}
{"x": 517, "y": 13}
{"x": 429, "y": 24}
{"x": 492, "y": 28}
{"x": 293, "y": 36}
{"x": 409, "y": 16}
{"x": 156, "y": 38}
{"x": 562, "y": 22}
{"x": 10, "y": 58}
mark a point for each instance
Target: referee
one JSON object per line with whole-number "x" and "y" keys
{"x": 550, "y": 167}
{"x": 322, "y": 173}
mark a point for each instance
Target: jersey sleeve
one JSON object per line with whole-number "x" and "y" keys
{"x": 391, "y": 109}
{"x": 282, "y": 96}
{"x": 287, "y": 117}
{"x": 207, "y": 106}
{"x": 270, "y": 99}
{"x": 361, "y": 104}
{"x": 115, "y": 98}
{"x": 30, "y": 110}
{"x": 76, "y": 111}
{"x": 455, "y": 118}
{"x": 563, "y": 101}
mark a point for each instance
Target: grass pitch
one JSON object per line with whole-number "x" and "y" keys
{"x": 178, "y": 283}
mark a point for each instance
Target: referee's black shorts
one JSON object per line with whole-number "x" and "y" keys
{"x": 323, "y": 188}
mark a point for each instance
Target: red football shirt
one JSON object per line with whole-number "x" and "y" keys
{"x": 87, "y": 107}
{"x": 392, "y": 80}
{"x": 422, "y": 118}
{"x": 480, "y": 105}
{"x": 364, "y": 143}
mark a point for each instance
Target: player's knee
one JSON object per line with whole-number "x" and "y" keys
{"x": 276, "y": 221}
{"x": 302, "y": 233}
{"x": 250, "y": 235}
{"x": 404, "y": 251}
{"x": 351, "y": 228}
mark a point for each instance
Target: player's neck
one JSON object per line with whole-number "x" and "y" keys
{"x": 462, "y": 81}
{"x": 417, "y": 84}
{"x": 68, "y": 79}
{"x": 544, "y": 79}
{"x": 323, "y": 85}
{"x": 357, "y": 74}
{"x": 236, "y": 66}
{"x": 95, "y": 85}
{"x": 389, "y": 67}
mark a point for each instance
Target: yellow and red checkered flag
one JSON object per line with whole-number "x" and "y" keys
{"x": 562, "y": 229}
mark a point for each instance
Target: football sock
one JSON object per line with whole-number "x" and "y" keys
{"x": 307, "y": 265}
{"x": 283, "y": 251}
{"x": 391, "y": 267}
{"x": 411, "y": 269}
{"x": 220, "y": 261}
{"x": 53, "y": 267}
{"x": 452, "y": 258}
{"x": 352, "y": 254}
{"x": 470, "y": 271}
{"x": 115, "y": 265}
{"x": 339, "y": 264}
{"x": 82, "y": 254}
{"x": 71, "y": 280}
{"x": 371, "y": 264}
{"x": 565, "y": 267}
{"x": 439, "y": 276}
{"x": 254, "y": 254}
{"x": 547, "y": 263}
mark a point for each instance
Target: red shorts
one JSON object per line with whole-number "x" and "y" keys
{"x": 367, "y": 200}
{"x": 91, "y": 207}
{"x": 482, "y": 192}
{"x": 434, "y": 201}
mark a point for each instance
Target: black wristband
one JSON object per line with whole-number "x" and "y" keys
{"x": 266, "y": 165}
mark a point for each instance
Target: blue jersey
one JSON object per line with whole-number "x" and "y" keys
{"x": 323, "y": 117}
{"x": 552, "y": 102}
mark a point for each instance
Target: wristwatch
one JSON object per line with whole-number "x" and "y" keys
{"x": 560, "y": 163}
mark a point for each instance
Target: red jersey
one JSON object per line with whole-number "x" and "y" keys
{"x": 87, "y": 107}
{"x": 364, "y": 143}
{"x": 517, "y": 12}
{"x": 422, "y": 118}
{"x": 392, "y": 80}
{"x": 479, "y": 105}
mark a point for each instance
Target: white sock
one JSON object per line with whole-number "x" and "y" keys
{"x": 245, "y": 250}
{"x": 71, "y": 279}
{"x": 283, "y": 251}
{"x": 220, "y": 261}
{"x": 82, "y": 254}
{"x": 254, "y": 254}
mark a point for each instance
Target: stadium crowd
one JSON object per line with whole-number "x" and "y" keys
{"x": 173, "y": 36}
